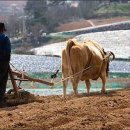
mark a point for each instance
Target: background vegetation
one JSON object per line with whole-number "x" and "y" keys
{"x": 50, "y": 14}
{"x": 43, "y": 17}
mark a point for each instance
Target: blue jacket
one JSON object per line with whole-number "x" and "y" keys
{"x": 5, "y": 47}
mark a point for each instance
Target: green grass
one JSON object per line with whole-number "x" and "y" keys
{"x": 119, "y": 75}
{"x": 114, "y": 8}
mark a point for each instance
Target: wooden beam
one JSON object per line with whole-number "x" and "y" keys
{"x": 20, "y": 79}
{"x": 24, "y": 76}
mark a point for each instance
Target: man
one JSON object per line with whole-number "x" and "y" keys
{"x": 5, "y": 51}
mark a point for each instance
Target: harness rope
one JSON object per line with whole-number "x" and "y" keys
{"x": 72, "y": 76}
{"x": 76, "y": 74}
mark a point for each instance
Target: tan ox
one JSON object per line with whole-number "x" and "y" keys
{"x": 83, "y": 62}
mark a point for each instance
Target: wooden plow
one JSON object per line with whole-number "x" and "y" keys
{"x": 21, "y": 76}
{"x": 24, "y": 77}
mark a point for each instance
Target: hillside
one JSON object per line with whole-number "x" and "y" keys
{"x": 106, "y": 14}
{"x": 115, "y": 41}
{"x": 89, "y": 23}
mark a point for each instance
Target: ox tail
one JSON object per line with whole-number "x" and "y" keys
{"x": 109, "y": 54}
{"x": 113, "y": 55}
{"x": 70, "y": 43}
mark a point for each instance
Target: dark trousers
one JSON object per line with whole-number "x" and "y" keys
{"x": 4, "y": 69}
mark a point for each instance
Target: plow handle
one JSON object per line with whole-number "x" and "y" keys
{"x": 13, "y": 82}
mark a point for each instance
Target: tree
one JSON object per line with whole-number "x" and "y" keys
{"x": 87, "y": 8}
{"x": 51, "y": 13}
{"x": 35, "y": 11}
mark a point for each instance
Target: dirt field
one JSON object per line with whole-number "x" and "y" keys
{"x": 97, "y": 111}
{"x": 89, "y": 23}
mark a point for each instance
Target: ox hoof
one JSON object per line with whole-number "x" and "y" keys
{"x": 103, "y": 91}
{"x": 76, "y": 95}
{"x": 88, "y": 93}
{"x": 63, "y": 97}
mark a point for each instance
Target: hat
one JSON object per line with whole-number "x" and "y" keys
{"x": 2, "y": 26}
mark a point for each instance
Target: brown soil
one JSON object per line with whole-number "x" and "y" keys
{"x": 89, "y": 23}
{"x": 109, "y": 21}
{"x": 73, "y": 25}
{"x": 97, "y": 111}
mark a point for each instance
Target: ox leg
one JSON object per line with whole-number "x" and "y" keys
{"x": 75, "y": 85}
{"x": 103, "y": 78}
{"x": 88, "y": 84}
{"x": 64, "y": 87}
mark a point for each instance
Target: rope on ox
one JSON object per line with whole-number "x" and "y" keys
{"x": 76, "y": 74}
{"x": 72, "y": 76}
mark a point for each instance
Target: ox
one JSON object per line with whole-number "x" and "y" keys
{"x": 84, "y": 61}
